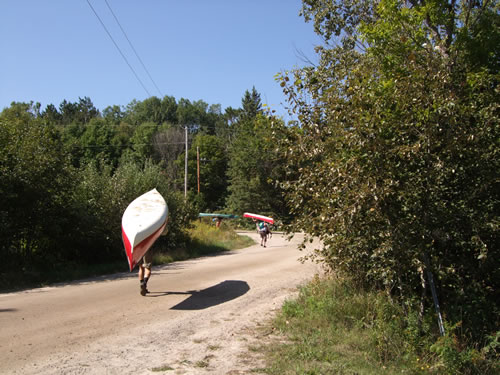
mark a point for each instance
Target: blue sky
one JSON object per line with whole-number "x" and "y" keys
{"x": 211, "y": 50}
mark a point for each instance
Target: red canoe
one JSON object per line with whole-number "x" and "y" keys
{"x": 270, "y": 220}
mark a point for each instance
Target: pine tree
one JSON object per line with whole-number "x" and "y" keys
{"x": 251, "y": 104}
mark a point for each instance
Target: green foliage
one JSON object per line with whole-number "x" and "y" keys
{"x": 105, "y": 195}
{"x": 169, "y": 144}
{"x": 35, "y": 185}
{"x": 95, "y": 142}
{"x": 249, "y": 167}
{"x": 68, "y": 173}
{"x": 251, "y": 104}
{"x": 142, "y": 141}
{"x": 336, "y": 327}
{"x": 213, "y": 166}
{"x": 395, "y": 157}
{"x": 113, "y": 114}
{"x": 80, "y": 112}
{"x": 333, "y": 327}
{"x": 153, "y": 110}
{"x": 206, "y": 238}
{"x": 53, "y": 214}
{"x": 453, "y": 358}
{"x": 183, "y": 211}
{"x": 253, "y": 169}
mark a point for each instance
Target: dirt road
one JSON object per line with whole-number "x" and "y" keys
{"x": 199, "y": 318}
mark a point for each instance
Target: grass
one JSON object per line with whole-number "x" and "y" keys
{"x": 205, "y": 240}
{"x": 201, "y": 364}
{"x": 335, "y": 328}
{"x": 162, "y": 368}
{"x": 326, "y": 333}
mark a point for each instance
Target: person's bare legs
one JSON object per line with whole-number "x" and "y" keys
{"x": 144, "y": 274}
{"x": 262, "y": 239}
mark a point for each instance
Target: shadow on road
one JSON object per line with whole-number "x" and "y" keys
{"x": 8, "y": 310}
{"x": 215, "y": 295}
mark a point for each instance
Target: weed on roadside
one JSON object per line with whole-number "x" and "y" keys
{"x": 334, "y": 328}
{"x": 162, "y": 368}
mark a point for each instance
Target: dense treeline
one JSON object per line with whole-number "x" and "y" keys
{"x": 395, "y": 162}
{"x": 68, "y": 173}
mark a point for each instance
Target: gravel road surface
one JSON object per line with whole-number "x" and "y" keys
{"x": 201, "y": 316}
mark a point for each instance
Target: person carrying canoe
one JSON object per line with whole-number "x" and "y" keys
{"x": 263, "y": 230}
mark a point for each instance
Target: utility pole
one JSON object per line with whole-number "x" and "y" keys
{"x": 186, "y": 165}
{"x": 198, "y": 165}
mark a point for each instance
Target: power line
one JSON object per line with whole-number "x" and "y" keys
{"x": 128, "y": 145}
{"x": 118, "y": 48}
{"x": 130, "y": 43}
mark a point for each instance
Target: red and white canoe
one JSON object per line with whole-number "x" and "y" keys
{"x": 143, "y": 222}
{"x": 270, "y": 220}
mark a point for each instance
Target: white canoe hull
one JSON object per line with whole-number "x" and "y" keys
{"x": 143, "y": 222}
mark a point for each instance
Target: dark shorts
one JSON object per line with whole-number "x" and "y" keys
{"x": 147, "y": 260}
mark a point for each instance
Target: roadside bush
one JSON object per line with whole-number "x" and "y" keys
{"x": 334, "y": 326}
{"x": 36, "y": 180}
{"x": 394, "y": 161}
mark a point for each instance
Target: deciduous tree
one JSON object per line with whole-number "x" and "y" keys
{"x": 393, "y": 161}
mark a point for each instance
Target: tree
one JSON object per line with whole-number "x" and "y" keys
{"x": 213, "y": 166}
{"x": 113, "y": 114}
{"x": 68, "y": 112}
{"x": 152, "y": 110}
{"x": 193, "y": 115}
{"x": 254, "y": 168}
{"x": 51, "y": 115}
{"x": 169, "y": 144}
{"x": 392, "y": 164}
{"x": 251, "y": 104}
{"x": 86, "y": 110}
{"x": 169, "y": 109}
{"x": 81, "y": 112}
{"x": 214, "y": 123}
{"x": 142, "y": 141}
{"x": 35, "y": 185}
{"x": 20, "y": 111}
{"x": 96, "y": 142}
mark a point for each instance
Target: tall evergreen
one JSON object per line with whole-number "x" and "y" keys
{"x": 254, "y": 169}
{"x": 251, "y": 104}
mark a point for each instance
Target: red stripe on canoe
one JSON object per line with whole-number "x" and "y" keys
{"x": 135, "y": 254}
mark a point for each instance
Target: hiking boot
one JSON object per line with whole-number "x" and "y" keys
{"x": 143, "y": 290}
